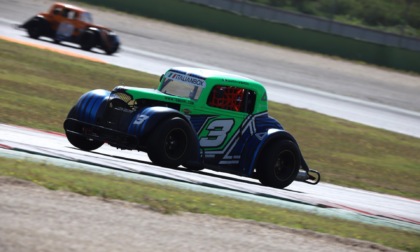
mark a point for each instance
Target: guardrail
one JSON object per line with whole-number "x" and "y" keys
{"x": 222, "y": 21}
{"x": 271, "y": 14}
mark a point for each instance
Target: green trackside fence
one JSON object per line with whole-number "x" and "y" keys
{"x": 202, "y": 17}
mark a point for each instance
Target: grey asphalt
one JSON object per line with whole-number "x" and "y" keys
{"x": 370, "y": 95}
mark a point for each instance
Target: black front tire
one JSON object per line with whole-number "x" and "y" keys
{"x": 279, "y": 164}
{"x": 112, "y": 50}
{"x": 170, "y": 143}
{"x": 79, "y": 141}
{"x": 111, "y": 45}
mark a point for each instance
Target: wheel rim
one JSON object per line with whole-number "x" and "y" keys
{"x": 285, "y": 165}
{"x": 175, "y": 144}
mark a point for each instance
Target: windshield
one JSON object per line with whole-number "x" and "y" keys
{"x": 86, "y": 17}
{"x": 182, "y": 85}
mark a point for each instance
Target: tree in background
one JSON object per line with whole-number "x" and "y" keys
{"x": 411, "y": 14}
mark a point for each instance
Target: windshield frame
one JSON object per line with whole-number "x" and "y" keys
{"x": 182, "y": 85}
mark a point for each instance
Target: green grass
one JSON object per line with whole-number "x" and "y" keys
{"x": 169, "y": 200}
{"x": 39, "y": 87}
{"x": 355, "y": 155}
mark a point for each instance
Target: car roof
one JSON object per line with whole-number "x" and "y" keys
{"x": 69, "y": 6}
{"x": 208, "y": 73}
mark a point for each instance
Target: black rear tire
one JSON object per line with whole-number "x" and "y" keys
{"x": 79, "y": 141}
{"x": 170, "y": 143}
{"x": 279, "y": 164}
{"x": 34, "y": 29}
{"x": 87, "y": 40}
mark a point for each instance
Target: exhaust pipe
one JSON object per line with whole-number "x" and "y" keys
{"x": 310, "y": 177}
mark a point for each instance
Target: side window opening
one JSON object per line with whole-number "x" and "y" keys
{"x": 71, "y": 14}
{"x": 232, "y": 98}
{"x": 249, "y": 101}
{"x": 85, "y": 17}
{"x": 65, "y": 13}
{"x": 57, "y": 11}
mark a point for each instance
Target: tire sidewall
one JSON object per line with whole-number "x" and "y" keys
{"x": 80, "y": 141}
{"x": 157, "y": 143}
{"x": 290, "y": 156}
{"x": 113, "y": 45}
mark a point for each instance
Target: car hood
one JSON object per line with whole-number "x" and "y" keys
{"x": 148, "y": 93}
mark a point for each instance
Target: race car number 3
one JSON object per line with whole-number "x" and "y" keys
{"x": 217, "y": 133}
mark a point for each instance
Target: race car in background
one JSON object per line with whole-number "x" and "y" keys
{"x": 65, "y": 22}
{"x": 196, "y": 118}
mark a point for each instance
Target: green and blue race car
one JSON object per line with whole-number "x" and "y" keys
{"x": 196, "y": 118}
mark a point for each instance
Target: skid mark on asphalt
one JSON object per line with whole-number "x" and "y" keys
{"x": 49, "y": 48}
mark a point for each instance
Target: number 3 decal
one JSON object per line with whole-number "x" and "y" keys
{"x": 218, "y": 131}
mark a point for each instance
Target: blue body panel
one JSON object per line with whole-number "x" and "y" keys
{"x": 241, "y": 153}
{"x": 239, "y": 156}
{"x": 255, "y": 151}
{"x": 89, "y": 103}
{"x": 145, "y": 120}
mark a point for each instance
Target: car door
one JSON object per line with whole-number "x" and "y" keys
{"x": 223, "y": 122}
{"x": 65, "y": 27}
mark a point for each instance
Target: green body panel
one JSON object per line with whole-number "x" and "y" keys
{"x": 154, "y": 94}
{"x": 196, "y": 107}
{"x": 197, "y": 118}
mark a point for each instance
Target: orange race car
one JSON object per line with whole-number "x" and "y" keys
{"x": 65, "y": 22}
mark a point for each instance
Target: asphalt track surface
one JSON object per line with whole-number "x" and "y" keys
{"x": 353, "y": 204}
{"x": 369, "y": 95}
{"x": 156, "y": 47}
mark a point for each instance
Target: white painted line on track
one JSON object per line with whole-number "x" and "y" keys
{"x": 345, "y": 214}
{"x": 385, "y": 208}
{"x": 369, "y": 113}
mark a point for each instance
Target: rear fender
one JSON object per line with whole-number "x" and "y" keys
{"x": 256, "y": 147}
{"x": 39, "y": 20}
{"x": 105, "y": 39}
{"x": 145, "y": 120}
{"x": 89, "y": 105}
{"x": 97, "y": 34}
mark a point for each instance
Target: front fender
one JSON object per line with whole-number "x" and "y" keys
{"x": 88, "y": 106}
